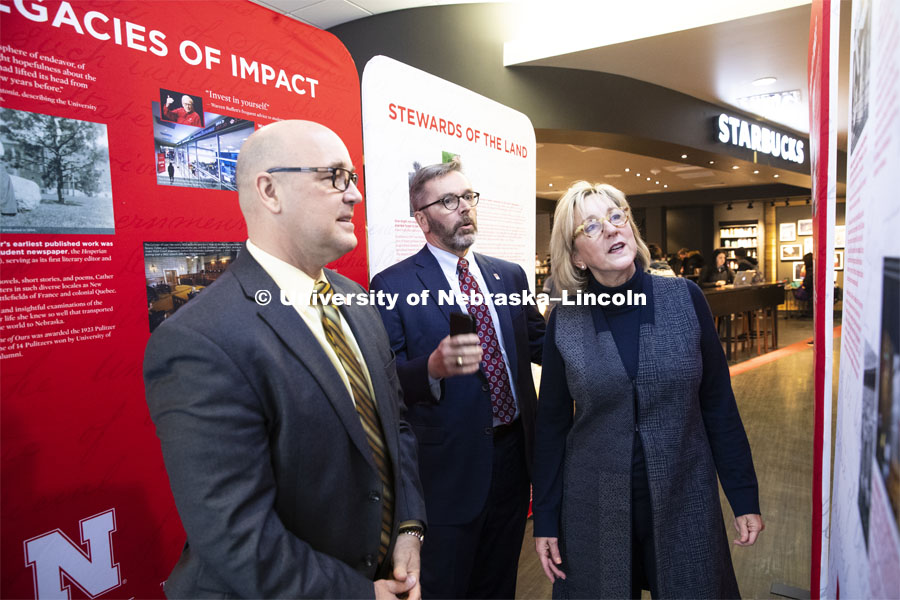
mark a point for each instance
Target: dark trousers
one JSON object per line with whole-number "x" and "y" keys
{"x": 481, "y": 559}
{"x": 643, "y": 557}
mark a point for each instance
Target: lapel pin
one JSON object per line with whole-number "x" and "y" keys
{"x": 497, "y": 276}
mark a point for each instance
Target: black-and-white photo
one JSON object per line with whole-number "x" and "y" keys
{"x": 862, "y": 42}
{"x": 887, "y": 446}
{"x": 54, "y": 175}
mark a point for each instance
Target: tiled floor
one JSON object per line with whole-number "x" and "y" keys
{"x": 776, "y": 404}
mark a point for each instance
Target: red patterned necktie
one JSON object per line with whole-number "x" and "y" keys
{"x": 502, "y": 403}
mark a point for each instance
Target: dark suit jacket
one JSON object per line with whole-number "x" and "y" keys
{"x": 268, "y": 462}
{"x": 455, "y": 431}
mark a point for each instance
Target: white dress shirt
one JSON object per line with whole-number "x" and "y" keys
{"x": 295, "y": 282}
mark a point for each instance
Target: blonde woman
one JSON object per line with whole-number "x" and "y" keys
{"x": 636, "y": 418}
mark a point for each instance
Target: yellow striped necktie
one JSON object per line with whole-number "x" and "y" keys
{"x": 365, "y": 406}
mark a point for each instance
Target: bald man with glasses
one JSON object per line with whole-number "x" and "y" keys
{"x": 281, "y": 425}
{"x": 470, "y": 396}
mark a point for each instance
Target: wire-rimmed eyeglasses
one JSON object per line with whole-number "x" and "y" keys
{"x": 340, "y": 177}
{"x": 617, "y": 217}
{"x": 451, "y": 201}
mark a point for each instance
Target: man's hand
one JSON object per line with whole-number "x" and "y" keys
{"x": 749, "y": 527}
{"x": 720, "y": 283}
{"x": 406, "y": 564}
{"x": 388, "y": 589}
{"x": 169, "y": 100}
{"x": 547, "y": 549}
{"x": 455, "y": 355}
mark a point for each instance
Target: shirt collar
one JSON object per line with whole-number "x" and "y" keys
{"x": 286, "y": 276}
{"x": 449, "y": 261}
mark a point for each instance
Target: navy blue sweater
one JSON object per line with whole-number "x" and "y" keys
{"x": 727, "y": 438}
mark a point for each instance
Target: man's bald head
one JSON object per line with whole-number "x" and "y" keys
{"x": 298, "y": 216}
{"x": 280, "y": 144}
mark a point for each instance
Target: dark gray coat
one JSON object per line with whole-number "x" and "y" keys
{"x": 270, "y": 468}
{"x": 692, "y": 550}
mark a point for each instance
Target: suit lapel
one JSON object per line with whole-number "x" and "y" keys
{"x": 496, "y": 284}
{"x": 432, "y": 277}
{"x": 301, "y": 342}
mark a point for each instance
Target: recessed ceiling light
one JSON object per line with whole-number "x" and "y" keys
{"x": 756, "y": 172}
{"x": 712, "y": 162}
{"x": 648, "y": 179}
{"x": 735, "y": 167}
{"x": 550, "y": 184}
{"x": 657, "y": 183}
{"x": 627, "y": 170}
{"x": 637, "y": 174}
{"x": 665, "y": 185}
{"x": 764, "y": 81}
{"x": 684, "y": 156}
{"x": 776, "y": 175}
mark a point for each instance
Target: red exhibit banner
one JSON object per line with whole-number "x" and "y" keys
{"x": 822, "y": 72}
{"x": 121, "y": 123}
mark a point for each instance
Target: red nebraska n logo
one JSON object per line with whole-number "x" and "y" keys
{"x": 54, "y": 558}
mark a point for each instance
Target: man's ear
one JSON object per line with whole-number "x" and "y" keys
{"x": 267, "y": 193}
{"x": 422, "y": 221}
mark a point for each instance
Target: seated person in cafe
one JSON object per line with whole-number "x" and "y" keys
{"x": 718, "y": 274}
{"x": 744, "y": 262}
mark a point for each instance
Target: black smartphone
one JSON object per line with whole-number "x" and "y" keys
{"x": 461, "y": 323}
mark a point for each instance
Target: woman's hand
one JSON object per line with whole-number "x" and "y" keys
{"x": 547, "y": 549}
{"x": 749, "y": 527}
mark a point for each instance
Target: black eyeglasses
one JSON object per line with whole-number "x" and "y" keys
{"x": 451, "y": 201}
{"x": 340, "y": 177}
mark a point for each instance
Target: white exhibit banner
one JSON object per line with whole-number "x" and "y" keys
{"x": 864, "y": 549}
{"x": 411, "y": 117}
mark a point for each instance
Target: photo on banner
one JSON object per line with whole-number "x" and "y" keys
{"x": 55, "y": 175}
{"x": 187, "y": 156}
{"x": 176, "y": 272}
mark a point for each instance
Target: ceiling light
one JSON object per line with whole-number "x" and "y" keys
{"x": 550, "y": 184}
{"x": 776, "y": 175}
{"x": 648, "y": 179}
{"x": 750, "y": 204}
{"x": 756, "y": 172}
{"x": 735, "y": 167}
{"x": 665, "y": 185}
{"x": 712, "y": 162}
{"x": 729, "y": 206}
{"x": 657, "y": 183}
{"x": 684, "y": 156}
{"x": 764, "y": 81}
{"x": 637, "y": 174}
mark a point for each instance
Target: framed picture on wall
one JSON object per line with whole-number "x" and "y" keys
{"x": 838, "y": 260}
{"x": 799, "y": 270}
{"x": 790, "y": 251}
{"x": 840, "y": 236}
{"x": 804, "y": 227}
{"x": 787, "y": 232}
{"x": 807, "y": 245}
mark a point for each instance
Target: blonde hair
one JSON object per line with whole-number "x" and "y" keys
{"x": 562, "y": 244}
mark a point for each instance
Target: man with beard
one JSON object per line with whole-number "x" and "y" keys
{"x": 471, "y": 396}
